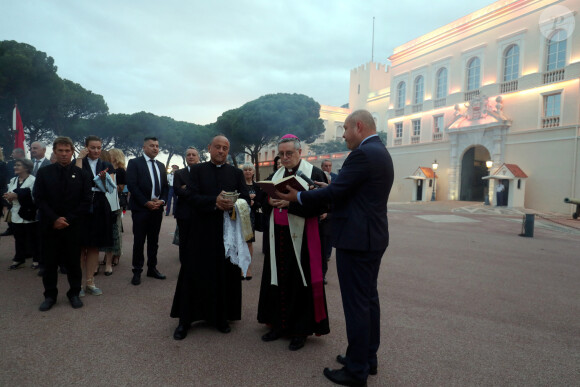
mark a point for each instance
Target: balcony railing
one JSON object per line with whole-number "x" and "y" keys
{"x": 508, "y": 87}
{"x": 550, "y": 122}
{"x": 438, "y": 136}
{"x": 469, "y": 95}
{"x": 554, "y": 76}
{"x": 415, "y": 139}
{"x": 440, "y": 102}
{"x": 399, "y": 112}
{"x": 397, "y": 141}
{"x": 417, "y": 108}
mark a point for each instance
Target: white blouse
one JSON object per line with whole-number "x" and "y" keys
{"x": 28, "y": 183}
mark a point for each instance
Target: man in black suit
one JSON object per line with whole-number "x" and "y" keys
{"x": 183, "y": 209}
{"x": 62, "y": 192}
{"x": 359, "y": 196}
{"x": 147, "y": 183}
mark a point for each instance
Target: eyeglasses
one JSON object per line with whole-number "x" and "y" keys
{"x": 287, "y": 154}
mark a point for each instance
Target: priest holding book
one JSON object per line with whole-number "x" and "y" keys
{"x": 292, "y": 297}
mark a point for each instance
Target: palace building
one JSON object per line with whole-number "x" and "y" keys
{"x": 493, "y": 96}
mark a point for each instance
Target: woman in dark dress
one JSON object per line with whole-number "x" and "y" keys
{"x": 255, "y": 203}
{"x": 98, "y": 224}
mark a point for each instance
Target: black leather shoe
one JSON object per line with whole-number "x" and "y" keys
{"x": 7, "y": 233}
{"x": 136, "y": 279}
{"x": 16, "y": 265}
{"x": 343, "y": 378}
{"x": 296, "y": 343}
{"x": 46, "y": 304}
{"x": 180, "y": 332}
{"x": 75, "y": 302}
{"x": 154, "y": 273}
{"x": 271, "y": 336}
{"x": 342, "y": 360}
{"x": 224, "y": 328}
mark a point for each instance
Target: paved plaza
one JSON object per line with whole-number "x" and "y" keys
{"x": 465, "y": 301}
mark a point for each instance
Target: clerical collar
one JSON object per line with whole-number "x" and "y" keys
{"x": 217, "y": 165}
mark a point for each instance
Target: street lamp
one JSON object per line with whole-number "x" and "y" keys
{"x": 435, "y": 165}
{"x": 488, "y": 164}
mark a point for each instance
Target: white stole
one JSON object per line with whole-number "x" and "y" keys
{"x": 296, "y": 224}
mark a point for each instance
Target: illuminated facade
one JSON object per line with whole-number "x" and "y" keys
{"x": 499, "y": 84}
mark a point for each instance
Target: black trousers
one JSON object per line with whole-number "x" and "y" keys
{"x": 25, "y": 243}
{"x": 146, "y": 227}
{"x": 357, "y": 274}
{"x": 61, "y": 247}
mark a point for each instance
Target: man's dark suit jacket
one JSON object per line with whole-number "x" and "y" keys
{"x": 62, "y": 191}
{"x": 183, "y": 208}
{"x": 359, "y": 197}
{"x": 44, "y": 163}
{"x": 140, "y": 185}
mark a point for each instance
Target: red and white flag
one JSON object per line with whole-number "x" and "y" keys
{"x": 19, "y": 129}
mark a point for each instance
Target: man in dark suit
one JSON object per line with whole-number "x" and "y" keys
{"x": 37, "y": 155}
{"x": 359, "y": 196}
{"x": 183, "y": 210}
{"x": 147, "y": 183}
{"x": 62, "y": 192}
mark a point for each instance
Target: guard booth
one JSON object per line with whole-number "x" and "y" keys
{"x": 514, "y": 180}
{"x": 423, "y": 184}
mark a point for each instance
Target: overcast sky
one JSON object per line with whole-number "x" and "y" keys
{"x": 193, "y": 60}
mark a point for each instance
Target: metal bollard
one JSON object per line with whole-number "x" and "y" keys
{"x": 528, "y": 225}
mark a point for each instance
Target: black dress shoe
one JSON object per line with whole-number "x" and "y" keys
{"x": 108, "y": 273}
{"x": 46, "y": 304}
{"x": 75, "y": 302}
{"x": 180, "y": 332}
{"x": 16, "y": 265}
{"x": 271, "y": 336}
{"x": 343, "y": 378}
{"x": 342, "y": 360}
{"x": 7, "y": 233}
{"x": 297, "y": 342}
{"x": 136, "y": 279}
{"x": 224, "y": 328}
{"x": 154, "y": 273}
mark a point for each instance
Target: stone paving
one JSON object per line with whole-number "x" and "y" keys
{"x": 463, "y": 303}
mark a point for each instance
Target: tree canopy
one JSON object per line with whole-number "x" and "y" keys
{"x": 51, "y": 106}
{"x": 262, "y": 121}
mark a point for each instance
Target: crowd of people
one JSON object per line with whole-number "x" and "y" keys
{"x": 74, "y": 209}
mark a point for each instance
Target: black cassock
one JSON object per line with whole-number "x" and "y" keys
{"x": 209, "y": 286}
{"x": 289, "y": 306}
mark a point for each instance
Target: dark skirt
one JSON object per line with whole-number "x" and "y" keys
{"x": 97, "y": 229}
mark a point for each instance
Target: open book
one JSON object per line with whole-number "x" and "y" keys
{"x": 270, "y": 188}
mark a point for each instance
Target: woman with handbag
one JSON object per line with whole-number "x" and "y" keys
{"x": 23, "y": 214}
{"x": 97, "y": 226}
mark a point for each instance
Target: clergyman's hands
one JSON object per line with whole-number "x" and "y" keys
{"x": 222, "y": 203}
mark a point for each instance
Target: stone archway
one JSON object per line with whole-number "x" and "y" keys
{"x": 473, "y": 168}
